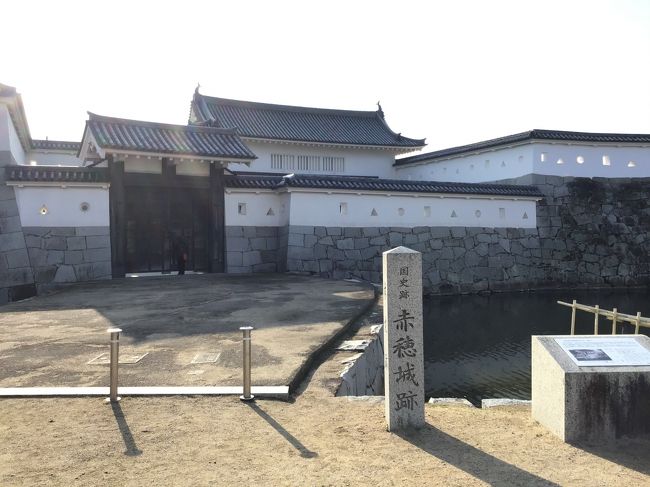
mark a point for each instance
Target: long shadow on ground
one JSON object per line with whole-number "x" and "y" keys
{"x": 475, "y": 462}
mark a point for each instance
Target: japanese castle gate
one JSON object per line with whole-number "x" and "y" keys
{"x": 166, "y": 191}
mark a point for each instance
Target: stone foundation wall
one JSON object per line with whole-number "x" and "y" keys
{"x": 590, "y": 233}
{"x": 364, "y": 374}
{"x": 16, "y": 276}
{"x": 252, "y": 249}
{"x": 68, "y": 254}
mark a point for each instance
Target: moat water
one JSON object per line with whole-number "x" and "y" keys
{"x": 478, "y": 347}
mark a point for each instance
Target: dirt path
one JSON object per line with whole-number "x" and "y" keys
{"x": 316, "y": 440}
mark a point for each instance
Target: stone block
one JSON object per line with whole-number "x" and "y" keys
{"x": 617, "y": 397}
{"x": 237, "y": 244}
{"x": 334, "y": 231}
{"x": 78, "y": 243}
{"x": 54, "y": 257}
{"x": 458, "y": 232}
{"x": 272, "y": 243}
{"x": 44, "y": 275}
{"x": 361, "y": 243}
{"x": 16, "y": 277}
{"x": 97, "y": 255}
{"x": 234, "y": 231}
{"x": 300, "y": 253}
{"x": 33, "y": 241}
{"x": 302, "y": 229}
{"x": 326, "y": 241}
{"x": 8, "y": 208}
{"x": 395, "y": 239}
{"x": 98, "y": 242}
{"x": 52, "y": 242}
{"x": 92, "y": 231}
{"x": 10, "y": 225}
{"x": 311, "y": 266}
{"x": 234, "y": 259}
{"x": 381, "y": 240}
{"x": 72, "y": 257}
{"x": 65, "y": 273}
{"x": 370, "y": 231}
{"x": 269, "y": 256}
{"x": 17, "y": 258}
{"x": 296, "y": 239}
{"x": 325, "y": 265}
{"x": 11, "y": 241}
{"x": 258, "y": 243}
{"x": 320, "y": 251}
{"x": 310, "y": 240}
{"x": 352, "y": 232}
{"x": 354, "y": 255}
{"x": 251, "y": 258}
{"x": 345, "y": 244}
{"x": 320, "y": 232}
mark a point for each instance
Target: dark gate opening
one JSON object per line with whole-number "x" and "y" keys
{"x": 159, "y": 222}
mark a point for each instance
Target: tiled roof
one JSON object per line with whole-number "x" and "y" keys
{"x": 374, "y": 184}
{"x": 537, "y": 134}
{"x": 57, "y": 174}
{"x": 55, "y": 145}
{"x": 150, "y": 137}
{"x": 316, "y": 125}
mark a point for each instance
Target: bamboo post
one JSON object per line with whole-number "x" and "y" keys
{"x": 615, "y": 311}
{"x": 573, "y": 318}
{"x": 596, "y": 320}
{"x": 638, "y": 322}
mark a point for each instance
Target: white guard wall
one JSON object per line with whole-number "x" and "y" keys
{"x": 358, "y": 162}
{"x": 63, "y": 206}
{"x": 260, "y": 208}
{"x": 42, "y": 158}
{"x": 356, "y": 210}
{"x": 493, "y": 165}
{"x": 562, "y": 160}
{"x": 558, "y": 160}
{"x": 9, "y": 140}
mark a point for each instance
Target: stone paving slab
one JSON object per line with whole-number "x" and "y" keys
{"x": 48, "y": 341}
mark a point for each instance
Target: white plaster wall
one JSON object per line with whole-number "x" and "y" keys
{"x": 257, "y": 206}
{"x": 192, "y": 168}
{"x": 526, "y": 159}
{"x": 619, "y": 156}
{"x": 143, "y": 165}
{"x": 63, "y": 206}
{"x": 493, "y": 165}
{"x": 358, "y": 162}
{"x": 322, "y": 209}
{"x": 9, "y": 140}
{"x": 42, "y": 158}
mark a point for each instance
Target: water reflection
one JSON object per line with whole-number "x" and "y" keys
{"x": 479, "y": 346}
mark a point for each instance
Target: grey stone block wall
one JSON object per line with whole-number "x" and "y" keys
{"x": 16, "y": 276}
{"x": 68, "y": 254}
{"x": 252, "y": 249}
{"x": 590, "y": 233}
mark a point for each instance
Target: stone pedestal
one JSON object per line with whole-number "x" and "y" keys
{"x": 580, "y": 403}
{"x": 403, "y": 342}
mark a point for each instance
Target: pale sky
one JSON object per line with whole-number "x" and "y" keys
{"x": 454, "y": 72}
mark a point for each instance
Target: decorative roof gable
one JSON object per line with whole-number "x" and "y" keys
{"x": 133, "y": 136}
{"x": 299, "y": 124}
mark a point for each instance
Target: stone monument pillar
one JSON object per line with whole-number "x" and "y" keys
{"x": 403, "y": 342}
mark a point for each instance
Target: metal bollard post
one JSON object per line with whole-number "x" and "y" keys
{"x": 115, "y": 357}
{"x": 246, "y": 341}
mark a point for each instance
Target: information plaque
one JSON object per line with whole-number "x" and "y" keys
{"x": 605, "y": 351}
